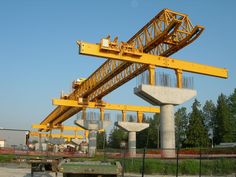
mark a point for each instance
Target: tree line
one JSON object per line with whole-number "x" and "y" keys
{"x": 204, "y": 126}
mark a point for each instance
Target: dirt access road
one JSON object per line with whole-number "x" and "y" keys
{"x": 25, "y": 172}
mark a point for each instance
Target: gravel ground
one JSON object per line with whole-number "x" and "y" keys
{"x": 25, "y": 172}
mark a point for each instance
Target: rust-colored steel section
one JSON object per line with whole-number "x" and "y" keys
{"x": 165, "y": 34}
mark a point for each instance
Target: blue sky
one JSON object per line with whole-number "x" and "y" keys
{"x": 39, "y": 56}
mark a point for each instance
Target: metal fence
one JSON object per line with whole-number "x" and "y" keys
{"x": 12, "y": 151}
{"x": 185, "y": 162}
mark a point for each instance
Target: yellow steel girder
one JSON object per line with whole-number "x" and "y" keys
{"x": 108, "y": 106}
{"x": 159, "y": 61}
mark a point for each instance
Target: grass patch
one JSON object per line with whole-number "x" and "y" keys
{"x": 168, "y": 167}
{"x": 6, "y": 158}
{"x": 211, "y": 167}
{"x": 186, "y": 166}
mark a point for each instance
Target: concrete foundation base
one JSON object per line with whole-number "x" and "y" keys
{"x": 168, "y": 153}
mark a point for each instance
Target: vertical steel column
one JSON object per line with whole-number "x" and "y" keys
{"x": 102, "y": 114}
{"x": 123, "y": 116}
{"x": 151, "y": 70}
{"x": 140, "y": 116}
{"x": 179, "y": 77}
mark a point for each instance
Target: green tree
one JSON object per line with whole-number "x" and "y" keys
{"x": 232, "y": 103}
{"x": 223, "y": 124}
{"x": 181, "y": 122}
{"x": 150, "y": 137}
{"x": 116, "y": 136}
{"x": 131, "y": 118}
{"x": 154, "y": 132}
{"x": 209, "y": 114}
{"x": 232, "y": 107}
{"x": 101, "y": 140}
{"x": 196, "y": 133}
{"x": 141, "y": 139}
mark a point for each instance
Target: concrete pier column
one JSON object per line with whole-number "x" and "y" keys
{"x": 132, "y": 144}
{"x": 92, "y": 126}
{"x": 132, "y": 128}
{"x": 166, "y": 98}
{"x": 40, "y": 142}
{"x": 167, "y": 125}
{"x": 92, "y": 143}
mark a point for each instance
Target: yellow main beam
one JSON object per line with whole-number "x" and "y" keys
{"x": 62, "y": 127}
{"x": 33, "y": 133}
{"x": 108, "y": 106}
{"x": 159, "y": 61}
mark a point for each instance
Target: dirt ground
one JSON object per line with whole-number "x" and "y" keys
{"x": 25, "y": 172}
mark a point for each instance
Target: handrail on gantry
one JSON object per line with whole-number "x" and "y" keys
{"x": 165, "y": 34}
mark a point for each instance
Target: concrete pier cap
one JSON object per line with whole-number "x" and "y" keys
{"x": 158, "y": 95}
{"x": 132, "y": 128}
{"x": 166, "y": 98}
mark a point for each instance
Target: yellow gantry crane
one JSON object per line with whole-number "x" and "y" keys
{"x": 165, "y": 34}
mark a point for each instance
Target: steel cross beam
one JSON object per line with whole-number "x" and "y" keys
{"x": 108, "y": 106}
{"x": 149, "y": 59}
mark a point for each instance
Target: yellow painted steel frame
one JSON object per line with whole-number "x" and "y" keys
{"x": 108, "y": 106}
{"x": 61, "y": 127}
{"x": 102, "y": 106}
{"x": 149, "y": 59}
{"x": 68, "y": 137}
